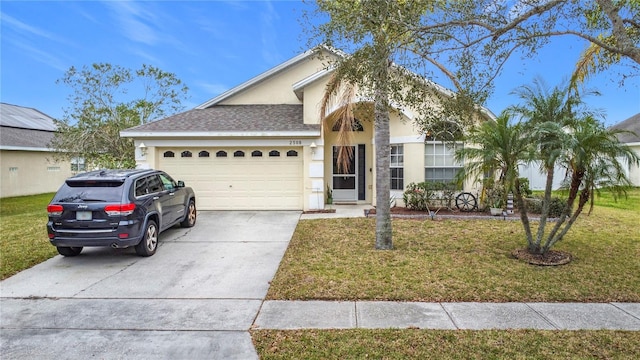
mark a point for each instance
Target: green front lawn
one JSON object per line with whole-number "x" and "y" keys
{"x": 23, "y": 233}
{"x": 462, "y": 260}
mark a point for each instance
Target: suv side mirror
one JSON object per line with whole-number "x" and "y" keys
{"x": 180, "y": 183}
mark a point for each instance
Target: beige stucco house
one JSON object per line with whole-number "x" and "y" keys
{"x": 260, "y": 146}
{"x": 632, "y": 139}
{"x": 27, "y": 166}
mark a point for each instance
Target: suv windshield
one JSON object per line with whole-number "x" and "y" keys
{"x": 83, "y": 191}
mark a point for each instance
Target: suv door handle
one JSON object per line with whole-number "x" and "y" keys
{"x": 156, "y": 197}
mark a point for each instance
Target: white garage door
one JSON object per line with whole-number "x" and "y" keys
{"x": 238, "y": 178}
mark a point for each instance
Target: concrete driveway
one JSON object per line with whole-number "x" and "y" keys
{"x": 196, "y": 298}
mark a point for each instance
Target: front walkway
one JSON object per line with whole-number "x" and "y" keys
{"x": 341, "y": 211}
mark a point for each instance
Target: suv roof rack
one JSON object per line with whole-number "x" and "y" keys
{"x": 111, "y": 174}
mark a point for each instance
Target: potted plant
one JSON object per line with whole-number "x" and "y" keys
{"x": 494, "y": 200}
{"x": 496, "y": 207}
{"x": 329, "y": 195}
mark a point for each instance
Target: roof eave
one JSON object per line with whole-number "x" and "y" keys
{"x": 210, "y": 134}
{"x": 24, "y": 148}
{"x": 298, "y": 87}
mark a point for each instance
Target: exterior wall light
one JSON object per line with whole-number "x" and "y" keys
{"x": 143, "y": 149}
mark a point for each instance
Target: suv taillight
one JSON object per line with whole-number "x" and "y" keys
{"x": 55, "y": 210}
{"x": 120, "y": 210}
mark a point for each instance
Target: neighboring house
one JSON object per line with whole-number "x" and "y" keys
{"x": 632, "y": 139}
{"x": 537, "y": 178}
{"x": 260, "y": 146}
{"x": 26, "y": 164}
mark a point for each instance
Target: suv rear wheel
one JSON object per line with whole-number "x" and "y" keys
{"x": 149, "y": 243}
{"x": 69, "y": 251}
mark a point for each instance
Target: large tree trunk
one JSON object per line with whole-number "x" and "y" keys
{"x": 383, "y": 207}
{"x": 383, "y": 181}
{"x": 522, "y": 210}
{"x": 536, "y": 249}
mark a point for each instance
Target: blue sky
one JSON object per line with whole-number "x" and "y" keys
{"x": 213, "y": 46}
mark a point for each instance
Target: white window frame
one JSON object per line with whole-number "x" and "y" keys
{"x": 78, "y": 164}
{"x": 396, "y": 161}
{"x": 441, "y": 155}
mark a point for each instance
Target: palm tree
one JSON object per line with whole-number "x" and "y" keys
{"x": 498, "y": 146}
{"x": 594, "y": 160}
{"x": 554, "y": 133}
{"x": 546, "y": 114}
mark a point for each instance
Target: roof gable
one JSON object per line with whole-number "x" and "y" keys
{"x": 226, "y": 98}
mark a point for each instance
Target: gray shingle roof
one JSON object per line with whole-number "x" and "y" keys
{"x": 232, "y": 118}
{"x": 22, "y": 127}
{"x": 631, "y": 124}
{"x": 24, "y": 138}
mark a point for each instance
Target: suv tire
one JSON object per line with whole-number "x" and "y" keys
{"x": 69, "y": 251}
{"x": 190, "y": 216}
{"x": 149, "y": 243}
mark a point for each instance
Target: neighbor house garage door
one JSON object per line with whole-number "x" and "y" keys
{"x": 238, "y": 178}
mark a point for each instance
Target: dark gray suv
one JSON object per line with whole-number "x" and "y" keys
{"x": 118, "y": 208}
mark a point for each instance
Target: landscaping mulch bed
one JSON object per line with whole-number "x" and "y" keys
{"x": 551, "y": 258}
{"x": 441, "y": 213}
{"x": 444, "y": 213}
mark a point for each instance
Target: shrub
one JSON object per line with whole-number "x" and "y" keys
{"x": 556, "y": 207}
{"x": 425, "y": 195}
{"x": 417, "y": 196}
{"x": 525, "y": 188}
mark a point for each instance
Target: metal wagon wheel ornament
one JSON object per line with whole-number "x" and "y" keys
{"x": 466, "y": 202}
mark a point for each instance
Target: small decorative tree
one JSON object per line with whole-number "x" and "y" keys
{"x": 553, "y": 130}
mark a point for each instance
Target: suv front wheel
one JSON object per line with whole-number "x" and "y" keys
{"x": 190, "y": 216}
{"x": 149, "y": 243}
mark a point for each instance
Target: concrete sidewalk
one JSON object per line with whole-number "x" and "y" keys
{"x": 447, "y": 316}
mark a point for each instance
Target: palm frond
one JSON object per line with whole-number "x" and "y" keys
{"x": 337, "y": 108}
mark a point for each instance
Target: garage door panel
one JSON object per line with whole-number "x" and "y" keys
{"x": 240, "y": 183}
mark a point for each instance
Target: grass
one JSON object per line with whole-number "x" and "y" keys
{"x": 461, "y": 260}
{"x": 446, "y": 344}
{"x": 458, "y": 260}
{"x": 23, "y": 234}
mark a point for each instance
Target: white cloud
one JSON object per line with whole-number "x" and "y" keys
{"x": 212, "y": 89}
{"x": 136, "y": 21}
{"x": 150, "y": 59}
{"x": 44, "y": 57}
{"x": 269, "y": 20}
{"x": 23, "y": 29}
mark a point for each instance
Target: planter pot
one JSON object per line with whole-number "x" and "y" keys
{"x": 496, "y": 211}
